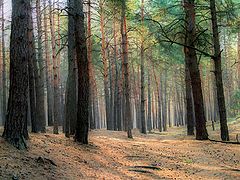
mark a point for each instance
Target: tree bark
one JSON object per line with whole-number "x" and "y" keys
{"x": 143, "y": 120}
{"x": 56, "y": 92}
{"x": 105, "y": 67}
{"x": 192, "y": 64}
{"x": 149, "y": 121}
{"x": 4, "y": 79}
{"x": 48, "y": 69}
{"x": 40, "y": 73}
{"x": 71, "y": 89}
{"x": 32, "y": 80}
{"x": 189, "y": 104}
{"x": 127, "y": 112}
{"x": 15, "y": 129}
{"x": 82, "y": 125}
{"x": 218, "y": 74}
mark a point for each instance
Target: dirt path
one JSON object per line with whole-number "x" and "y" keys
{"x": 111, "y": 155}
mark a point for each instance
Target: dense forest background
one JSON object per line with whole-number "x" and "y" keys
{"x": 119, "y": 89}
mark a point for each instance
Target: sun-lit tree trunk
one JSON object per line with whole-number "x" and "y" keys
{"x": 192, "y": 64}
{"x": 93, "y": 85}
{"x": 48, "y": 68}
{"x": 15, "y": 129}
{"x": 127, "y": 112}
{"x": 105, "y": 66}
{"x": 89, "y": 53}
{"x": 56, "y": 92}
{"x": 218, "y": 74}
{"x": 82, "y": 125}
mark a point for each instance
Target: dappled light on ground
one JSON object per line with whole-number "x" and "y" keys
{"x": 110, "y": 155}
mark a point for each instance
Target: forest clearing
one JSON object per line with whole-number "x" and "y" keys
{"x": 111, "y": 155}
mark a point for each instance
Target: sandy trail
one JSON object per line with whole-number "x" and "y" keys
{"x": 110, "y": 155}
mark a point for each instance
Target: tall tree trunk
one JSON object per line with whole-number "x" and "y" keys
{"x": 149, "y": 119}
{"x": 218, "y": 74}
{"x": 238, "y": 58}
{"x": 189, "y": 103}
{"x": 71, "y": 89}
{"x": 111, "y": 83}
{"x": 92, "y": 119}
{"x": 192, "y": 64}
{"x": 40, "y": 89}
{"x": 48, "y": 69}
{"x": 127, "y": 114}
{"x": 105, "y": 67}
{"x": 117, "y": 125}
{"x": 4, "y": 80}
{"x": 15, "y": 130}
{"x": 56, "y": 93}
{"x": 164, "y": 100}
{"x": 82, "y": 125}
{"x": 58, "y": 56}
{"x": 32, "y": 79}
{"x": 159, "y": 120}
{"x": 143, "y": 120}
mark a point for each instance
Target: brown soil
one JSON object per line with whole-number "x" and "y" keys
{"x": 110, "y": 155}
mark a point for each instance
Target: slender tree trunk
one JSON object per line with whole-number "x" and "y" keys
{"x": 169, "y": 112}
{"x": 40, "y": 89}
{"x": 82, "y": 125}
{"x": 4, "y": 80}
{"x": 164, "y": 100}
{"x": 58, "y": 56}
{"x": 105, "y": 67}
{"x": 48, "y": 69}
{"x": 149, "y": 121}
{"x": 117, "y": 125}
{"x": 143, "y": 120}
{"x": 238, "y": 58}
{"x": 92, "y": 103}
{"x": 127, "y": 114}
{"x": 1, "y": 83}
{"x": 32, "y": 81}
{"x": 218, "y": 74}
{"x": 111, "y": 83}
{"x": 189, "y": 104}
{"x": 159, "y": 120}
{"x": 56, "y": 93}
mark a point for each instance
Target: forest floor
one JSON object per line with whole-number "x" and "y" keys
{"x": 110, "y": 155}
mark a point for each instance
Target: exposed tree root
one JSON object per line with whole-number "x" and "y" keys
{"x": 226, "y": 142}
{"x": 147, "y": 167}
